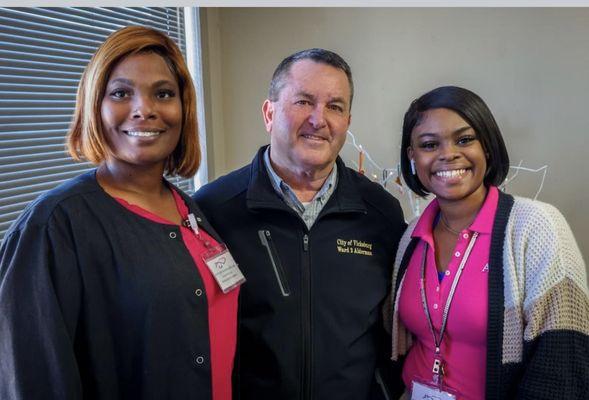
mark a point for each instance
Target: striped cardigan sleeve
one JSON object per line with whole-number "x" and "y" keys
{"x": 546, "y": 301}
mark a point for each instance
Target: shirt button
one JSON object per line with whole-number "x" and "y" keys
{"x": 465, "y": 236}
{"x": 199, "y": 360}
{"x": 457, "y": 254}
{"x": 172, "y": 235}
{"x": 438, "y": 289}
{"x": 198, "y": 292}
{"x": 435, "y": 306}
{"x": 447, "y": 272}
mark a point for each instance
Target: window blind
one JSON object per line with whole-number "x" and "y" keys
{"x": 43, "y": 52}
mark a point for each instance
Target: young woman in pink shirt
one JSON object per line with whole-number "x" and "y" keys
{"x": 490, "y": 297}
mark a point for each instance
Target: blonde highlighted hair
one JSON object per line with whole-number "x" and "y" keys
{"x": 86, "y": 138}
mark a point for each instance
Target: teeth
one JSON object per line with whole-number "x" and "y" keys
{"x": 311, "y": 137}
{"x": 451, "y": 174}
{"x": 142, "y": 134}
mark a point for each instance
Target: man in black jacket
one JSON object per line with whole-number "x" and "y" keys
{"x": 316, "y": 242}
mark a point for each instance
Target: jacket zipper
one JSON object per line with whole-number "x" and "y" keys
{"x": 382, "y": 385}
{"x": 307, "y": 392}
{"x": 268, "y": 243}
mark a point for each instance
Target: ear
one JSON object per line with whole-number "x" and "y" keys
{"x": 410, "y": 152}
{"x": 268, "y": 113}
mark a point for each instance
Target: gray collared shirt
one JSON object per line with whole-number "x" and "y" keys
{"x": 307, "y": 211}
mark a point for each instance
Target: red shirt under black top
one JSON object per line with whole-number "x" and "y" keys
{"x": 222, "y": 307}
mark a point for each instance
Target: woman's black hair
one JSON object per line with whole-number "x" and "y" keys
{"x": 476, "y": 113}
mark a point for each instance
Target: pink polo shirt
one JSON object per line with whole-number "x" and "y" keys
{"x": 464, "y": 348}
{"x": 222, "y": 307}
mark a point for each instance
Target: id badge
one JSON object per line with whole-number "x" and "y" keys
{"x": 224, "y": 268}
{"x": 424, "y": 391}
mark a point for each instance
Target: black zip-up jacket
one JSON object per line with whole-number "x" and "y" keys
{"x": 97, "y": 302}
{"x": 310, "y": 321}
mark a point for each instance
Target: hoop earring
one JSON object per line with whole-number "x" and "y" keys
{"x": 412, "y": 164}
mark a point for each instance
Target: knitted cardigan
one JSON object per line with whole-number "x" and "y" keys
{"x": 538, "y": 320}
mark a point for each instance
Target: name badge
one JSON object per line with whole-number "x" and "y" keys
{"x": 224, "y": 268}
{"x": 422, "y": 391}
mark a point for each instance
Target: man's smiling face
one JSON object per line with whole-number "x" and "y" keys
{"x": 309, "y": 120}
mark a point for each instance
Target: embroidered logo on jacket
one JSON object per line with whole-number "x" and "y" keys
{"x": 353, "y": 246}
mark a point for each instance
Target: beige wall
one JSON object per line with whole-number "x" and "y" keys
{"x": 531, "y": 66}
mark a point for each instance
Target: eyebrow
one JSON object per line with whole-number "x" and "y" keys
{"x": 131, "y": 83}
{"x": 338, "y": 100}
{"x": 456, "y": 132}
{"x": 121, "y": 80}
{"x": 311, "y": 97}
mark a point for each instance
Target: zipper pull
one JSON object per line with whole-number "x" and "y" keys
{"x": 305, "y": 242}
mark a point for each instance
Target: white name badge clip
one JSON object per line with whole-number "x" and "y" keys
{"x": 424, "y": 391}
{"x": 191, "y": 223}
{"x": 223, "y": 267}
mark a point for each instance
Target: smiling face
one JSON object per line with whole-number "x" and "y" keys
{"x": 309, "y": 120}
{"x": 449, "y": 159}
{"x": 141, "y": 111}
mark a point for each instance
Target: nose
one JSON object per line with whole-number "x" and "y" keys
{"x": 317, "y": 117}
{"x": 449, "y": 152}
{"x": 143, "y": 108}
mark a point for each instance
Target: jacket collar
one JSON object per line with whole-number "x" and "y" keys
{"x": 260, "y": 193}
{"x": 89, "y": 182}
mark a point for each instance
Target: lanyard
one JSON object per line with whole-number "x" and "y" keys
{"x": 437, "y": 368}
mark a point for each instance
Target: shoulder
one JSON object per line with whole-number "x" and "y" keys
{"x": 404, "y": 241}
{"x": 533, "y": 216}
{"x": 223, "y": 188}
{"x": 375, "y": 195}
{"x": 40, "y": 211}
{"x": 539, "y": 233}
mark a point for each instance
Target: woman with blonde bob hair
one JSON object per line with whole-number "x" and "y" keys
{"x": 86, "y": 138}
{"x": 113, "y": 285}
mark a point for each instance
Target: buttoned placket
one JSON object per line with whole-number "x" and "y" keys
{"x": 437, "y": 292}
{"x": 198, "y": 291}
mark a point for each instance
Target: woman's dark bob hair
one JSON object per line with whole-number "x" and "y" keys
{"x": 476, "y": 113}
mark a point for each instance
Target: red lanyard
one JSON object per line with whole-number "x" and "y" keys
{"x": 438, "y": 367}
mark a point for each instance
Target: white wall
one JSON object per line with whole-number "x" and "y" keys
{"x": 529, "y": 65}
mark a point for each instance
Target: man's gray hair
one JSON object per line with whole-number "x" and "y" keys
{"x": 318, "y": 55}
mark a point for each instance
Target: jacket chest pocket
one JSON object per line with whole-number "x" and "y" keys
{"x": 268, "y": 243}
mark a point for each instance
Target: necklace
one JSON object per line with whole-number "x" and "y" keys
{"x": 447, "y": 226}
